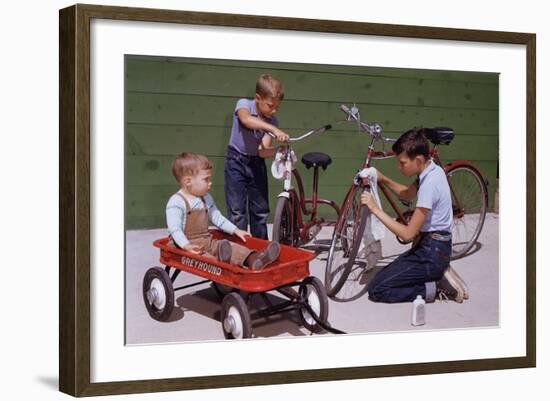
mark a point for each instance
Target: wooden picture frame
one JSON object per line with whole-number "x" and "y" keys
{"x": 75, "y": 208}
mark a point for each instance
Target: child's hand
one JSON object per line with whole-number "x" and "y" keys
{"x": 367, "y": 199}
{"x": 196, "y": 249}
{"x": 281, "y": 135}
{"x": 242, "y": 234}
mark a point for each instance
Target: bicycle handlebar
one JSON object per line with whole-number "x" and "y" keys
{"x": 313, "y": 131}
{"x": 345, "y": 109}
{"x": 373, "y": 129}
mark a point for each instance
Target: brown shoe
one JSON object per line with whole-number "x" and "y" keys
{"x": 267, "y": 256}
{"x": 449, "y": 288}
{"x": 224, "y": 251}
{"x": 460, "y": 281}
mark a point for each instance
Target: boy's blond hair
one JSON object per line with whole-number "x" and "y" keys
{"x": 269, "y": 86}
{"x": 189, "y": 164}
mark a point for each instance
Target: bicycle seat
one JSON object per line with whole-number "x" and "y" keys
{"x": 314, "y": 159}
{"x": 439, "y": 135}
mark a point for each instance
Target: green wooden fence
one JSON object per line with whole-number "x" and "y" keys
{"x": 177, "y": 104}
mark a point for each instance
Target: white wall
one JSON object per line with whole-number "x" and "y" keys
{"x": 28, "y": 166}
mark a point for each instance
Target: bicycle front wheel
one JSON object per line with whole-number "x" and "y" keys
{"x": 470, "y": 200}
{"x": 283, "y": 227}
{"x": 346, "y": 240}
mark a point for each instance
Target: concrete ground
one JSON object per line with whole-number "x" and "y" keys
{"x": 196, "y": 315}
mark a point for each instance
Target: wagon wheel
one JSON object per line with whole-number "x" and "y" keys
{"x": 313, "y": 292}
{"x": 235, "y": 317}
{"x": 222, "y": 290}
{"x": 158, "y": 294}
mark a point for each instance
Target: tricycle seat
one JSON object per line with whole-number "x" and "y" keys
{"x": 314, "y": 159}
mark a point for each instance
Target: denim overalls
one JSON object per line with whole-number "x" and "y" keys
{"x": 196, "y": 231}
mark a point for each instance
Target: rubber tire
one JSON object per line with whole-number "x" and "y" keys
{"x": 333, "y": 289}
{"x": 233, "y": 299}
{"x": 314, "y": 284}
{"x": 484, "y": 194}
{"x": 161, "y": 315}
{"x": 282, "y": 225}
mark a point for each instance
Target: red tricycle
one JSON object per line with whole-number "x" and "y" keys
{"x": 237, "y": 285}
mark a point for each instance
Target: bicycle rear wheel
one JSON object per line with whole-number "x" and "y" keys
{"x": 470, "y": 200}
{"x": 346, "y": 240}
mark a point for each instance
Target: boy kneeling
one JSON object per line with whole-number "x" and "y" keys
{"x": 424, "y": 269}
{"x": 187, "y": 214}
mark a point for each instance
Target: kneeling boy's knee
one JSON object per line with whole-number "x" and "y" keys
{"x": 376, "y": 292}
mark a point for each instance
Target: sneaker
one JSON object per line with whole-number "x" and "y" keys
{"x": 449, "y": 288}
{"x": 224, "y": 251}
{"x": 460, "y": 281}
{"x": 267, "y": 256}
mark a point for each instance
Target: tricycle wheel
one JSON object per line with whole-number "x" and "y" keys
{"x": 283, "y": 223}
{"x": 158, "y": 294}
{"x": 235, "y": 317}
{"x": 313, "y": 292}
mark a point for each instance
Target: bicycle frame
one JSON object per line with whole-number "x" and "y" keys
{"x": 298, "y": 203}
{"x": 314, "y": 200}
{"x": 299, "y": 206}
{"x": 352, "y": 222}
{"x": 403, "y": 216}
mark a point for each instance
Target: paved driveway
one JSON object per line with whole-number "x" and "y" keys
{"x": 196, "y": 315}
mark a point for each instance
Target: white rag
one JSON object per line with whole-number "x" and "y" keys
{"x": 278, "y": 168}
{"x": 374, "y": 226}
{"x": 371, "y": 245}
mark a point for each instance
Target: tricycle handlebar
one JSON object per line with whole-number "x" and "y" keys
{"x": 313, "y": 131}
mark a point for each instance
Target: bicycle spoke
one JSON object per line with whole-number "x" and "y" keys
{"x": 469, "y": 207}
{"x": 343, "y": 261}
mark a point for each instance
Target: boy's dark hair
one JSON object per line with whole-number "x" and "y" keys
{"x": 413, "y": 143}
{"x": 269, "y": 86}
{"x": 189, "y": 164}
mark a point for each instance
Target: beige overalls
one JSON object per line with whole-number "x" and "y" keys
{"x": 196, "y": 231}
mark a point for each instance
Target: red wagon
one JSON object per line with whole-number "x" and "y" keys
{"x": 237, "y": 285}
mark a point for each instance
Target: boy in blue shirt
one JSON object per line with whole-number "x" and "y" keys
{"x": 424, "y": 269}
{"x": 245, "y": 172}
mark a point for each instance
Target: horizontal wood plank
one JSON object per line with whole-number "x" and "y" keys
{"x": 488, "y": 78}
{"x": 232, "y": 81}
{"x": 190, "y": 110}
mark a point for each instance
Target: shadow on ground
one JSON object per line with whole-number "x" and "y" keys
{"x": 207, "y": 303}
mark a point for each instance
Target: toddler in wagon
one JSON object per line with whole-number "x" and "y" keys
{"x": 188, "y": 212}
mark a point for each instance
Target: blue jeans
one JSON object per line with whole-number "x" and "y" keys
{"x": 246, "y": 193}
{"x": 412, "y": 273}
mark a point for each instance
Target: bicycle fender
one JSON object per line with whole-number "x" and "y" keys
{"x": 284, "y": 194}
{"x": 457, "y": 163}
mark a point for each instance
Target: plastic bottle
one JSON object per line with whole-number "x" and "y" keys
{"x": 418, "y": 317}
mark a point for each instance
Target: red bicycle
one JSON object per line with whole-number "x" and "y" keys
{"x": 289, "y": 225}
{"x": 469, "y": 201}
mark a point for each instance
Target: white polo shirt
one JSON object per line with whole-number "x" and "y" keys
{"x": 434, "y": 194}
